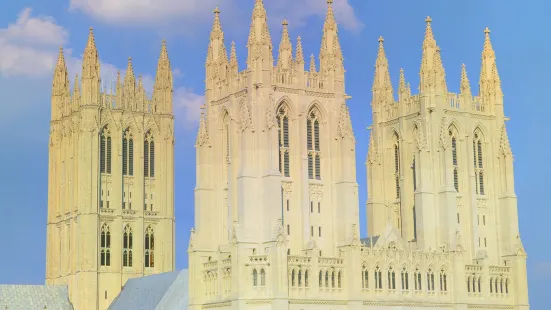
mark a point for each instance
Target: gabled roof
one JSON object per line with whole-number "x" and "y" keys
{"x": 167, "y": 290}
{"x": 34, "y": 297}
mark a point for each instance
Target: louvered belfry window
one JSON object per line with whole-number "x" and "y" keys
{"x": 313, "y": 144}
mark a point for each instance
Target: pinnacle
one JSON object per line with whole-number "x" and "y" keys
{"x": 313, "y": 64}
{"x": 300, "y": 53}
{"x": 488, "y": 49}
{"x": 60, "y": 60}
{"x": 402, "y": 86}
{"x": 91, "y": 41}
{"x": 164, "y": 53}
{"x": 465, "y": 85}
{"x": 429, "y": 36}
{"x": 129, "y": 68}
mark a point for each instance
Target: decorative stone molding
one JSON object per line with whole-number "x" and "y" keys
{"x": 316, "y": 192}
{"x": 287, "y": 189}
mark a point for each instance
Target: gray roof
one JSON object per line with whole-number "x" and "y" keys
{"x": 370, "y": 241}
{"x": 34, "y": 297}
{"x": 164, "y": 291}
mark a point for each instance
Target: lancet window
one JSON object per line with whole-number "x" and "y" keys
{"x": 378, "y": 278}
{"x": 455, "y": 161}
{"x": 313, "y": 144}
{"x": 127, "y": 246}
{"x": 443, "y": 281}
{"x": 255, "y": 278}
{"x": 417, "y": 279}
{"x": 149, "y": 155}
{"x": 396, "y": 148}
{"x": 365, "y": 278}
{"x": 105, "y": 245}
{"x": 391, "y": 279}
{"x": 128, "y": 153}
{"x": 405, "y": 279}
{"x": 226, "y": 129}
{"x": 430, "y": 280}
{"x": 149, "y": 247}
{"x": 105, "y": 150}
{"x": 478, "y": 162}
{"x": 283, "y": 140}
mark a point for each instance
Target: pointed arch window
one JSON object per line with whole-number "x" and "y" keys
{"x": 378, "y": 278}
{"x": 478, "y": 162}
{"x": 306, "y": 278}
{"x": 313, "y": 144}
{"x": 149, "y": 247}
{"x": 283, "y": 140}
{"x": 255, "y": 277}
{"x": 397, "y": 164}
{"x": 443, "y": 281}
{"x": 405, "y": 279}
{"x": 128, "y": 153}
{"x": 365, "y": 278}
{"x": 391, "y": 279}
{"x": 320, "y": 279}
{"x": 293, "y": 278}
{"x": 105, "y": 150}
{"x": 430, "y": 280}
{"x": 105, "y": 245}
{"x": 455, "y": 161}
{"x": 149, "y": 155}
{"x": 262, "y": 277}
{"x": 127, "y": 246}
{"x": 417, "y": 279}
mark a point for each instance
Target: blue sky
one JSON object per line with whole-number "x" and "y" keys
{"x": 31, "y": 32}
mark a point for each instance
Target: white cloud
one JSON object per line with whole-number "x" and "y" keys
{"x": 29, "y": 50}
{"x": 162, "y": 12}
{"x": 187, "y": 106}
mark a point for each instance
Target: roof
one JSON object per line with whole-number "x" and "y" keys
{"x": 34, "y": 297}
{"x": 156, "y": 292}
{"x": 370, "y": 241}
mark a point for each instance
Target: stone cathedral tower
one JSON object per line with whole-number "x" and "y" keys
{"x": 111, "y": 181}
{"x": 276, "y": 199}
{"x": 275, "y": 157}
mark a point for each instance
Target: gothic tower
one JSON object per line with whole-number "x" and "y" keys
{"x": 275, "y": 164}
{"x": 110, "y": 180}
{"x": 440, "y": 167}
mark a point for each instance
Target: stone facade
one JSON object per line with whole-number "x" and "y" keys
{"x": 111, "y": 181}
{"x": 276, "y": 199}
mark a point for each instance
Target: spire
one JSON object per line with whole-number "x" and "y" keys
{"x": 129, "y": 86}
{"x": 217, "y": 57}
{"x": 76, "y": 94}
{"x": 432, "y": 70}
{"x": 490, "y": 82}
{"x": 202, "y": 134}
{"x": 331, "y": 53}
{"x": 162, "y": 90}
{"x": 313, "y": 64}
{"x": 90, "y": 72}
{"x": 382, "y": 81}
{"x": 300, "y": 54}
{"x": 234, "y": 65}
{"x": 119, "y": 92}
{"x": 260, "y": 42}
{"x": 60, "y": 88}
{"x": 403, "y": 88}
{"x": 465, "y": 84}
{"x": 285, "y": 47}
{"x": 140, "y": 95}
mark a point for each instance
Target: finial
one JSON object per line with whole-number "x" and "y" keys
{"x": 381, "y": 39}
{"x": 216, "y": 11}
{"x": 487, "y": 30}
{"x": 428, "y": 20}
{"x": 285, "y": 23}
{"x": 329, "y": 2}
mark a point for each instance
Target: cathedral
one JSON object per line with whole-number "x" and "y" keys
{"x": 111, "y": 181}
{"x": 277, "y": 222}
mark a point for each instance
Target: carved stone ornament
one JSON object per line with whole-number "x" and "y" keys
{"x": 372, "y": 154}
{"x": 444, "y": 135}
{"x": 419, "y": 138}
{"x": 504, "y": 145}
{"x": 344, "y": 128}
{"x": 271, "y": 120}
{"x": 287, "y": 189}
{"x": 316, "y": 192}
{"x": 202, "y": 134}
{"x": 245, "y": 116}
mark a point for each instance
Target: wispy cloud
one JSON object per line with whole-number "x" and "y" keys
{"x": 193, "y": 12}
{"x": 29, "y": 50}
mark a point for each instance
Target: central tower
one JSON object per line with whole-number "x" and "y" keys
{"x": 275, "y": 164}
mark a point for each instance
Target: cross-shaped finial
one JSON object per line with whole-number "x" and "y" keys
{"x": 329, "y": 2}
{"x": 428, "y": 19}
{"x": 381, "y": 39}
{"x": 285, "y": 23}
{"x": 217, "y": 11}
{"x": 487, "y": 30}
